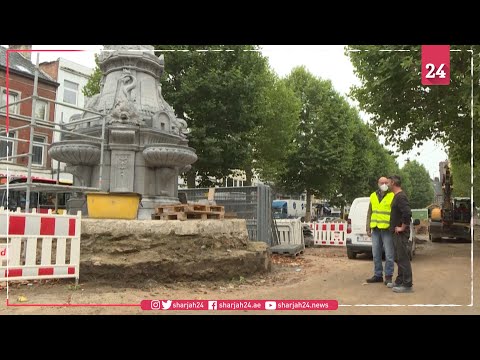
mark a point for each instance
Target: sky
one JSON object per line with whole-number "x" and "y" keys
{"x": 325, "y": 61}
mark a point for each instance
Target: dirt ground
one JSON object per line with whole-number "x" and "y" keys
{"x": 442, "y": 276}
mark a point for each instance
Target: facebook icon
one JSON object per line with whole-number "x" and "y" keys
{"x": 212, "y": 305}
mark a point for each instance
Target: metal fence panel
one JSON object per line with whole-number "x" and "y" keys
{"x": 252, "y": 203}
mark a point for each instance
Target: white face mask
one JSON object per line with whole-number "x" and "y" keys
{"x": 383, "y": 187}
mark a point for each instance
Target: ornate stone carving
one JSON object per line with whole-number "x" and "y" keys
{"x": 124, "y": 112}
{"x": 122, "y": 173}
{"x": 146, "y": 145}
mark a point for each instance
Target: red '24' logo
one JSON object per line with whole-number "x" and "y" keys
{"x": 435, "y": 64}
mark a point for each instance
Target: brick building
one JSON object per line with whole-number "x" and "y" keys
{"x": 21, "y": 81}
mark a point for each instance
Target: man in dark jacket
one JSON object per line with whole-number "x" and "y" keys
{"x": 400, "y": 219}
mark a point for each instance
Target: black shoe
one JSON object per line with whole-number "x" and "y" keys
{"x": 375, "y": 279}
{"x": 388, "y": 280}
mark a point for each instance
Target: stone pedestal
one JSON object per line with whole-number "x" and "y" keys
{"x": 132, "y": 250}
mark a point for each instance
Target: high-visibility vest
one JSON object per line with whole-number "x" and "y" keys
{"x": 381, "y": 210}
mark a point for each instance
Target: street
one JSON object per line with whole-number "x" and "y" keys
{"x": 441, "y": 271}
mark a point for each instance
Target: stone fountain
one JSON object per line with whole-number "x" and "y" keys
{"x": 145, "y": 147}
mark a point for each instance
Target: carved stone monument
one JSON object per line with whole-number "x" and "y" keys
{"x": 146, "y": 146}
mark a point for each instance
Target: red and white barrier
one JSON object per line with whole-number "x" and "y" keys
{"x": 333, "y": 234}
{"x": 39, "y": 246}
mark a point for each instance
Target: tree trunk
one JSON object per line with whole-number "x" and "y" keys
{"x": 308, "y": 215}
{"x": 249, "y": 175}
{"x": 342, "y": 211}
{"x": 191, "y": 175}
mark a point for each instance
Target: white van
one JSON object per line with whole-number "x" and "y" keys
{"x": 358, "y": 242}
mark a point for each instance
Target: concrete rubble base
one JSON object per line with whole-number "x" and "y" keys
{"x": 169, "y": 251}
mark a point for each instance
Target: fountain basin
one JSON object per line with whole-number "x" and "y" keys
{"x": 169, "y": 155}
{"x": 76, "y": 152}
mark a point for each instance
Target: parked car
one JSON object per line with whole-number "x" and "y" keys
{"x": 329, "y": 219}
{"x": 357, "y": 240}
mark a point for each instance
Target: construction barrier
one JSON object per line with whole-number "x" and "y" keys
{"x": 333, "y": 234}
{"x": 39, "y": 246}
{"x": 290, "y": 232}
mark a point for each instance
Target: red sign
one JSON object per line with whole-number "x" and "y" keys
{"x": 435, "y": 64}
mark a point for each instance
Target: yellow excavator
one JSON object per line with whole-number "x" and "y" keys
{"x": 452, "y": 219}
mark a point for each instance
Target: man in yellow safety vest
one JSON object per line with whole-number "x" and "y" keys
{"x": 378, "y": 223}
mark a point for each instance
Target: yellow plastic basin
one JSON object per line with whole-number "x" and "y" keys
{"x": 113, "y": 205}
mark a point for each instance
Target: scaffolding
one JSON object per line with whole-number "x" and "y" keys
{"x": 33, "y": 123}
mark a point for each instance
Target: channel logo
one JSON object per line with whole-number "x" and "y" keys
{"x": 270, "y": 305}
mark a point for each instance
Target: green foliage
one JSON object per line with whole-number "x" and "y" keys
{"x": 408, "y": 113}
{"x": 273, "y": 138}
{"x": 93, "y": 85}
{"x": 322, "y": 150}
{"x": 417, "y": 185}
{"x": 370, "y": 161}
{"x": 461, "y": 173}
{"x": 221, "y": 96}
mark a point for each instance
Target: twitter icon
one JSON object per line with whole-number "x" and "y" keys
{"x": 166, "y": 304}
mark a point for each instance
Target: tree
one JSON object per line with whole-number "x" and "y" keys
{"x": 322, "y": 148}
{"x": 370, "y": 161}
{"x": 220, "y": 95}
{"x": 461, "y": 173}
{"x": 417, "y": 185}
{"x": 272, "y": 140}
{"x": 93, "y": 85}
{"x": 408, "y": 113}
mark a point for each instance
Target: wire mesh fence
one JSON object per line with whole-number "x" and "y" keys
{"x": 252, "y": 203}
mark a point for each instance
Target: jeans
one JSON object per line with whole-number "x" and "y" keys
{"x": 382, "y": 240}
{"x": 403, "y": 259}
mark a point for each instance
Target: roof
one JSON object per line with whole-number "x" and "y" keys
{"x": 20, "y": 65}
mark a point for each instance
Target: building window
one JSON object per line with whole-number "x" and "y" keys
{"x": 41, "y": 110}
{"x": 70, "y": 92}
{"x": 4, "y": 144}
{"x": 38, "y": 150}
{"x": 13, "y": 96}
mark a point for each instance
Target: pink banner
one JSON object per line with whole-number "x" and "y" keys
{"x": 229, "y": 305}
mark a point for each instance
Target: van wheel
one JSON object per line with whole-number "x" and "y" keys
{"x": 351, "y": 254}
